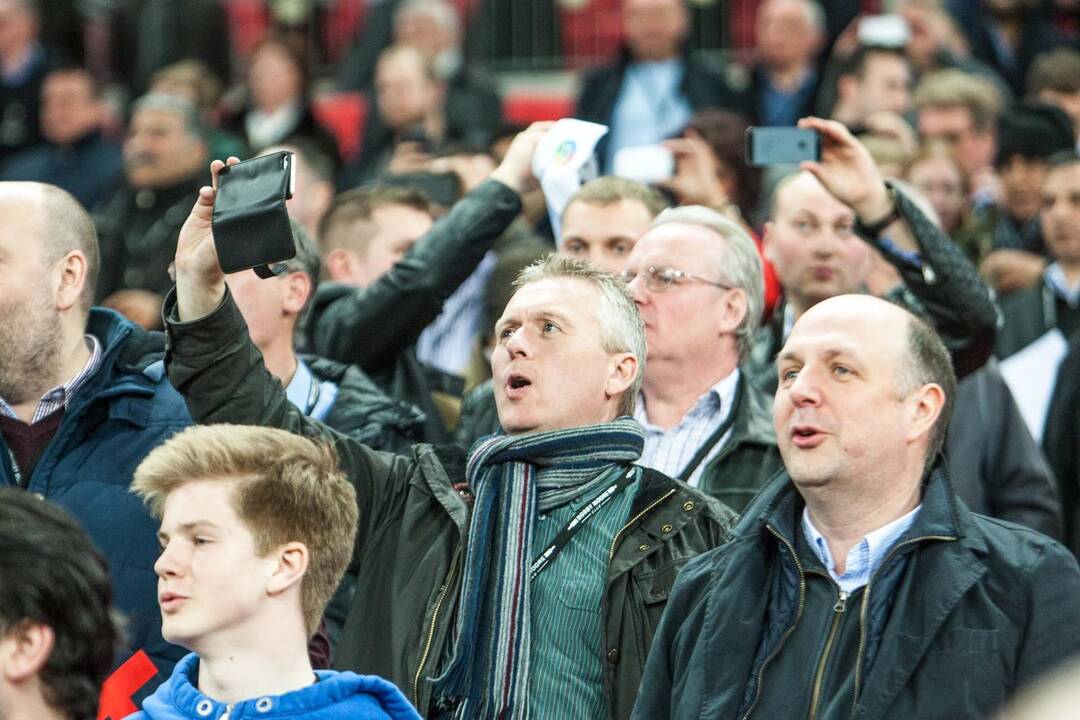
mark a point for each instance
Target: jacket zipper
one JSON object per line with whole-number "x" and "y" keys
{"x": 615, "y": 540}
{"x": 431, "y": 631}
{"x": 865, "y": 603}
{"x": 838, "y": 612}
{"x": 225, "y": 715}
{"x": 787, "y": 633}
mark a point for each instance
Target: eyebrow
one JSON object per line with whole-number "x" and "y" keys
{"x": 542, "y": 314}
{"x": 189, "y": 526}
{"x": 829, "y": 354}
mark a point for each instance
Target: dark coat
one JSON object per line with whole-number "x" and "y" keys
{"x": 376, "y": 327}
{"x": 703, "y": 87}
{"x": 90, "y": 168}
{"x": 414, "y": 524}
{"x": 1061, "y": 440}
{"x": 1029, "y": 314}
{"x": 126, "y": 409}
{"x": 138, "y": 230}
{"x": 964, "y": 610}
{"x": 307, "y": 129}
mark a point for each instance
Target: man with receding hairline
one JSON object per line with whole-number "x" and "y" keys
{"x": 857, "y": 583}
{"x": 83, "y": 396}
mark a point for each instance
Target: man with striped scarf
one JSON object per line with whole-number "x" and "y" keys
{"x": 527, "y": 582}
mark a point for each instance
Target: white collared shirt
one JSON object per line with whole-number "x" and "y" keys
{"x": 1059, "y": 283}
{"x": 60, "y": 396}
{"x": 866, "y": 557}
{"x": 670, "y": 451}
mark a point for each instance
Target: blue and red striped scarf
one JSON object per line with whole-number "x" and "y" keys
{"x": 513, "y": 477}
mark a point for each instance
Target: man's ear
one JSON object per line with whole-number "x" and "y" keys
{"x": 292, "y": 564}
{"x": 25, "y": 650}
{"x": 624, "y": 369}
{"x": 732, "y": 310}
{"x": 70, "y": 279}
{"x": 339, "y": 262}
{"x": 297, "y": 292}
{"x": 927, "y": 403}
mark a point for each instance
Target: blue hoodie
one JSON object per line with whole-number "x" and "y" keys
{"x": 337, "y": 696}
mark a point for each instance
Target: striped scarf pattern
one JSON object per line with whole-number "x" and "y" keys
{"x": 512, "y": 478}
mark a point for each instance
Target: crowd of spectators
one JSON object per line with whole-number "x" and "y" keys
{"x": 646, "y": 455}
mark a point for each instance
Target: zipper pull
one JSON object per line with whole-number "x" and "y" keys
{"x": 841, "y": 602}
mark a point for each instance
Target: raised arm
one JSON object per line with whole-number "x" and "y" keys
{"x": 370, "y": 326}
{"x": 934, "y": 270}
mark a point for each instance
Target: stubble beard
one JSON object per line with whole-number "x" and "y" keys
{"x": 31, "y": 339}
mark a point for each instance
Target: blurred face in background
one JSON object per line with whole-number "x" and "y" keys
{"x": 161, "y": 150}
{"x": 940, "y": 180}
{"x": 1021, "y": 186}
{"x": 786, "y": 34}
{"x": 655, "y": 29}
{"x": 405, "y": 91}
{"x": 1061, "y": 213}
{"x": 603, "y": 234}
{"x": 274, "y": 79}
{"x": 69, "y": 109}
{"x": 812, "y": 244}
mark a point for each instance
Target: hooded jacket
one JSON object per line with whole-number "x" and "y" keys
{"x": 336, "y": 696}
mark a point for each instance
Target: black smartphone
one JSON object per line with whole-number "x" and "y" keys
{"x": 781, "y": 145}
{"x": 251, "y": 224}
{"x": 443, "y": 188}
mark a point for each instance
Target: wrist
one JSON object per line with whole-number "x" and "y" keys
{"x": 197, "y": 298}
{"x": 508, "y": 178}
{"x": 878, "y": 206}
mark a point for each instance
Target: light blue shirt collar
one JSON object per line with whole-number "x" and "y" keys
{"x": 866, "y": 557}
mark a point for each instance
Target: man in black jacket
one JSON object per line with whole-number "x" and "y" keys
{"x": 819, "y": 250}
{"x": 653, "y": 88}
{"x": 394, "y": 271}
{"x": 858, "y": 584}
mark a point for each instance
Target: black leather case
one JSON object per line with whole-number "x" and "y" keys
{"x": 251, "y": 224}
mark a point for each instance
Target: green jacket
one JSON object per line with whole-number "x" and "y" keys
{"x": 414, "y": 524}
{"x": 750, "y": 457}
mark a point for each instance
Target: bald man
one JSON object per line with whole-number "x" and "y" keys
{"x": 83, "y": 397}
{"x": 858, "y": 584}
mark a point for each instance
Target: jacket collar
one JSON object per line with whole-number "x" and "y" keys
{"x": 753, "y": 416}
{"x": 943, "y": 514}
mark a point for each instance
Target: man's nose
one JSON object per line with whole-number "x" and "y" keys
{"x": 518, "y": 344}
{"x": 805, "y": 389}
{"x": 166, "y": 564}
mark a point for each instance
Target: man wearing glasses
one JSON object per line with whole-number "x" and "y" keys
{"x": 696, "y": 278}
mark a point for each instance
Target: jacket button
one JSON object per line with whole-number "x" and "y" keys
{"x": 688, "y": 505}
{"x": 656, "y": 592}
{"x": 643, "y": 548}
{"x": 613, "y": 656}
{"x": 665, "y": 528}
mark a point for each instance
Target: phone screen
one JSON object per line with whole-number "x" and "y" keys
{"x": 781, "y": 145}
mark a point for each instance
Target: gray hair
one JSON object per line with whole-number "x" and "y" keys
{"x": 193, "y": 123}
{"x": 622, "y": 329}
{"x": 739, "y": 265}
{"x": 442, "y": 12}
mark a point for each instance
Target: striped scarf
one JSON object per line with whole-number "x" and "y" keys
{"x": 514, "y": 477}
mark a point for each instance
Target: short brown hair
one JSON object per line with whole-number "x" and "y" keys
{"x": 929, "y": 361}
{"x": 337, "y": 228}
{"x": 288, "y": 489}
{"x": 1057, "y": 70}
{"x": 609, "y": 190}
{"x": 956, "y": 88}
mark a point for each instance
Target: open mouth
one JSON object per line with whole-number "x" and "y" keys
{"x": 807, "y": 436}
{"x": 516, "y": 384}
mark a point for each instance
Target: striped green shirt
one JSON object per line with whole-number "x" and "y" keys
{"x": 566, "y": 677}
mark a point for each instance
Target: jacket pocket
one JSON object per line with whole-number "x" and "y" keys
{"x": 581, "y": 594}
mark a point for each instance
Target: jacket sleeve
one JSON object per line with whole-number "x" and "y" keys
{"x": 664, "y": 681}
{"x": 1052, "y": 632}
{"x": 946, "y": 287}
{"x": 370, "y": 327}
{"x": 1021, "y": 486}
{"x": 214, "y": 364}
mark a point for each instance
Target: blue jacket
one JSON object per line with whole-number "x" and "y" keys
{"x": 121, "y": 413}
{"x": 337, "y": 696}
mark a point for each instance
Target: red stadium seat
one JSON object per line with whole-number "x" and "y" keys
{"x": 526, "y": 107}
{"x": 343, "y": 114}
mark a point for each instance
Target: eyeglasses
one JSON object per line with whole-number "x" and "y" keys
{"x": 659, "y": 279}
